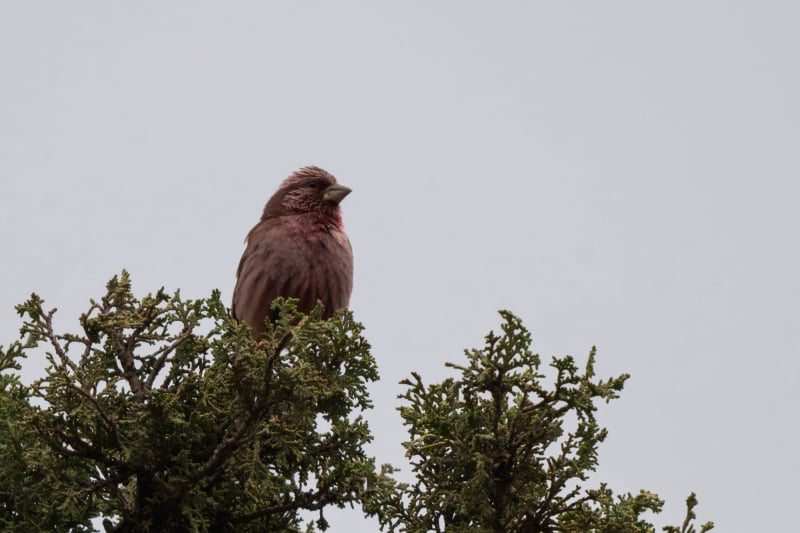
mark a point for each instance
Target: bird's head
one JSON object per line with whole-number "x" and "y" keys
{"x": 310, "y": 189}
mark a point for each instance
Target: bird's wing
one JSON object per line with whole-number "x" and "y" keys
{"x": 264, "y": 273}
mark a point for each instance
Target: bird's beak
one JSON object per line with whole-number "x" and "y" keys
{"x": 335, "y": 193}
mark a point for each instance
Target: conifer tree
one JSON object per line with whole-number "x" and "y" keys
{"x": 498, "y": 450}
{"x": 163, "y": 414}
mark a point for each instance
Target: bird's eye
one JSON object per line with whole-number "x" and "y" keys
{"x": 312, "y": 184}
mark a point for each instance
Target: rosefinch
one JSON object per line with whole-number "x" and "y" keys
{"x": 298, "y": 250}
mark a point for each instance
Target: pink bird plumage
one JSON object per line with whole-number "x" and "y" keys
{"x": 298, "y": 250}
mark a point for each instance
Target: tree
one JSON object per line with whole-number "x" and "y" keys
{"x": 491, "y": 452}
{"x": 163, "y": 414}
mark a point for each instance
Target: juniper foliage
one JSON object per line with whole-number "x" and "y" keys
{"x": 498, "y": 449}
{"x": 163, "y": 415}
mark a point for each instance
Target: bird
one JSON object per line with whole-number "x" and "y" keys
{"x": 298, "y": 249}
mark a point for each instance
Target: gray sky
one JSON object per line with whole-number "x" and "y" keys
{"x": 622, "y": 174}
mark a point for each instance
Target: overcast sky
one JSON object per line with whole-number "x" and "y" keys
{"x": 622, "y": 174}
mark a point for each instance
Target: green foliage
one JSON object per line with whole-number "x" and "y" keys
{"x": 164, "y": 415}
{"x": 492, "y": 451}
{"x": 688, "y": 526}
